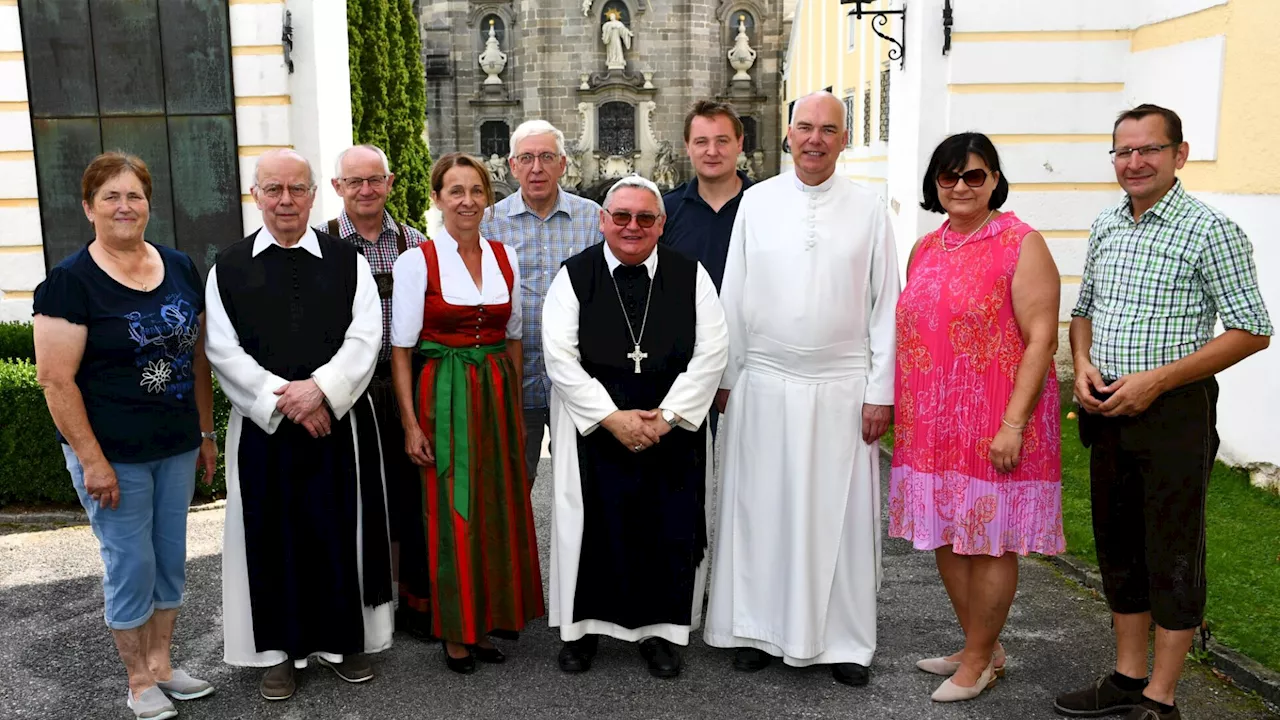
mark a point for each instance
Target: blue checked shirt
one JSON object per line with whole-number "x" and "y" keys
{"x": 1154, "y": 288}
{"x": 381, "y": 256}
{"x": 541, "y": 246}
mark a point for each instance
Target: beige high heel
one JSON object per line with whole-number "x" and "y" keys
{"x": 950, "y": 692}
{"x": 947, "y": 668}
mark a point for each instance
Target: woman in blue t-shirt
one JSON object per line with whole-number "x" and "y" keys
{"x": 120, "y": 354}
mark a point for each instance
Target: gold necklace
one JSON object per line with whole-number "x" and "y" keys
{"x": 122, "y": 268}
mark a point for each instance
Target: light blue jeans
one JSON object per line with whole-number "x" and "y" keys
{"x": 144, "y": 540}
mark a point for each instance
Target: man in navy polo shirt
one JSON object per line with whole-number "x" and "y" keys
{"x": 700, "y": 213}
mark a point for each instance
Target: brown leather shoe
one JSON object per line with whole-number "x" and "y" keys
{"x": 353, "y": 668}
{"x": 277, "y": 682}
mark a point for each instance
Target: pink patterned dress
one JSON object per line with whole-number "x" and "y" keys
{"x": 959, "y": 347}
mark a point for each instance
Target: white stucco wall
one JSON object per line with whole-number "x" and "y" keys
{"x": 21, "y": 254}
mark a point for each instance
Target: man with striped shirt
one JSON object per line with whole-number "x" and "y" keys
{"x": 1162, "y": 268}
{"x": 363, "y": 178}
{"x": 546, "y": 226}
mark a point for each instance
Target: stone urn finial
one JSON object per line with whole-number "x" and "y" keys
{"x": 742, "y": 56}
{"x": 493, "y": 61}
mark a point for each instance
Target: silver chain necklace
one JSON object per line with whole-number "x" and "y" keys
{"x": 635, "y": 355}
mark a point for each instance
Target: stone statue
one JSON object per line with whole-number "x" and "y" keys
{"x": 744, "y": 164}
{"x": 492, "y": 60}
{"x": 497, "y": 168}
{"x": 742, "y": 56}
{"x": 586, "y": 8}
{"x": 664, "y": 167}
{"x": 757, "y": 164}
{"x": 615, "y": 35}
{"x": 572, "y": 177}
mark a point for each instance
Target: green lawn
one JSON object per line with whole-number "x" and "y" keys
{"x": 1243, "y": 554}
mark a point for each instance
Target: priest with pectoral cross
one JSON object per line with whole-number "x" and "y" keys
{"x": 634, "y": 340}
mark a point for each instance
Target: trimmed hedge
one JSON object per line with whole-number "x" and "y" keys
{"x": 32, "y": 468}
{"x": 17, "y": 342}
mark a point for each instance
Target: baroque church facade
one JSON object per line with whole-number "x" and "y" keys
{"x": 617, "y": 76}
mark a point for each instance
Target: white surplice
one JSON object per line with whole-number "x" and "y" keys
{"x": 809, "y": 293}
{"x": 579, "y": 403}
{"x": 251, "y": 390}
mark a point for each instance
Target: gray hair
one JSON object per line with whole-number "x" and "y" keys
{"x": 635, "y": 181}
{"x": 529, "y": 128}
{"x": 311, "y": 172}
{"x": 844, "y": 111}
{"x": 337, "y": 164}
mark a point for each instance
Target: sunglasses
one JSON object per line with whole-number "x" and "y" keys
{"x": 623, "y": 219}
{"x": 976, "y": 177}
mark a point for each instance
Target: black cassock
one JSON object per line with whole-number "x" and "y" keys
{"x": 644, "y": 523}
{"x": 291, "y": 311}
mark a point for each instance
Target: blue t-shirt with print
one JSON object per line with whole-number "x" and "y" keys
{"x": 136, "y": 375}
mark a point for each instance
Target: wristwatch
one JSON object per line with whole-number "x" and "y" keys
{"x": 209, "y": 436}
{"x": 670, "y": 418}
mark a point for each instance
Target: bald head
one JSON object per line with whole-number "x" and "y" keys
{"x": 274, "y": 161}
{"x": 823, "y": 98}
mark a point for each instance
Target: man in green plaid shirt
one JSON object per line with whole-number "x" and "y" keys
{"x": 1161, "y": 269}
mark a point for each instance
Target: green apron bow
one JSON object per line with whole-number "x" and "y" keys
{"x": 453, "y": 414}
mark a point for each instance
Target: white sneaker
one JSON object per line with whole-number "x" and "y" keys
{"x": 151, "y": 704}
{"x": 184, "y": 687}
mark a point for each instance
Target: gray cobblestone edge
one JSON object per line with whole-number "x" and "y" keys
{"x": 1242, "y": 671}
{"x": 78, "y": 516}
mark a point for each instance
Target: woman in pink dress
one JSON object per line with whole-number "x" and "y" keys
{"x": 977, "y": 463}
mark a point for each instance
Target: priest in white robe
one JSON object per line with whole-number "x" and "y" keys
{"x": 635, "y": 344}
{"x": 294, "y": 329}
{"x": 809, "y": 292}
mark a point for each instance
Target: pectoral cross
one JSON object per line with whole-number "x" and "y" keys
{"x": 637, "y": 356}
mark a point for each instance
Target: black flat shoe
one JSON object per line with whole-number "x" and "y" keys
{"x": 750, "y": 660}
{"x": 851, "y": 674}
{"x": 492, "y": 655}
{"x": 663, "y": 658}
{"x": 462, "y": 666}
{"x": 576, "y": 655}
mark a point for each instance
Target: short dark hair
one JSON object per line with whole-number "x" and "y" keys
{"x": 952, "y": 155}
{"x": 1172, "y": 123}
{"x": 107, "y": 166}
{"x": 709, "y": 109}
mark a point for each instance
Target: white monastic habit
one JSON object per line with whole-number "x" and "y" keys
{"x": 809, "y": 292}
{"x": 251, "y": 390}
{"x": 579, "y": 403}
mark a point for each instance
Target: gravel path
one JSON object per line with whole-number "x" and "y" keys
{"x": 59, "y": 661}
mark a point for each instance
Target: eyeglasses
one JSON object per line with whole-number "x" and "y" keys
{"x": 1145, "y": 152}
{"x": 296, "y": 191}
{"x": 377, "y": 182}
{"x": 976, "y": 177}
{"x": 623, "y": 219}
{"x": 546, "y": 158}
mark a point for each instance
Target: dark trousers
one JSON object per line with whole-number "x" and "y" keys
{"x": 536, "y": 421}
{"x": 1149, "y": 478}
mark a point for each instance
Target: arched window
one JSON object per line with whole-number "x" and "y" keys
{"x": 623, "y": 13}
{"x": 617, "y": 128}
{"x": 745, "y": 18}
{"x": 495, "y": 138}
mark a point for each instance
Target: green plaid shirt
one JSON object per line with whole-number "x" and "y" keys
{"x": 1153, "y": 289}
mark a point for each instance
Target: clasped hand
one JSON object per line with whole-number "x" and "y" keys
{"x": 637, "y": 430}
{"x": 302, "y": 401}
{"x": 1130, "y": 395}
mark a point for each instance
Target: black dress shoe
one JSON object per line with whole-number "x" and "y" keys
{"x": 463, "y": 665}
{"x": 663, "y": 658}
{"x": 576, "y": 655}
{"x": 851, "y": 674}
{"x": 492, "y": 655}
{"x": 750, "y": 659}
{"x": 505, "y": 634}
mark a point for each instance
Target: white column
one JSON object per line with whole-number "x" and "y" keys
{"x": 320, "y": 87}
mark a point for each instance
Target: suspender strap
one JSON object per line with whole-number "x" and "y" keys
{"x": 333, "y": 228}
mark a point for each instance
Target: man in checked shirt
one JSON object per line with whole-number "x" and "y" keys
{"x": 363, "y": 178}
{"x": 546, "y": 226}
{"x": 1161, "y": 268}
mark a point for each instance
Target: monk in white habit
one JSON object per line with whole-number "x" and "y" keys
{"x": 635, "y": 344}
{"x": 809, "y": 293}
{"x": 295, "y": 326}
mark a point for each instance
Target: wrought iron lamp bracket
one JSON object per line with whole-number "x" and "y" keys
{"x": 879, "y": 19}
